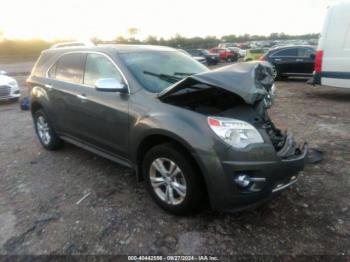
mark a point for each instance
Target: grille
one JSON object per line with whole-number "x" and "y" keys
{"x": 5, "y": 91}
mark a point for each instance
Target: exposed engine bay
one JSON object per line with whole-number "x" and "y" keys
{"x": 243, "y": 91}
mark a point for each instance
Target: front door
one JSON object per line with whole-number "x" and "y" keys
{"x": 285, "y": 60}
{"x": 103, "y": 115}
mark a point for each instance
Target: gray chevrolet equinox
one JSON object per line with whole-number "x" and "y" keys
{"x": 193, "y": 135}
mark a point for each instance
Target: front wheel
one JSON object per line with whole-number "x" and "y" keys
{"x": 277, "y": 74}
{"x": 172, "y": 180}
{"x": 45, "y": 132}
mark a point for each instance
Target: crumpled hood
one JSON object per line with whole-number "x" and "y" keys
{"x": 252, "y": 81}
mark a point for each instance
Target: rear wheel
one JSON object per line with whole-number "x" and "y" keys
{"x": 45, "y": 132}
{"x": 172, "y": 180}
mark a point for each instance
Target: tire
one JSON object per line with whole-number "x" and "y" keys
{"x": 192, "y": 188}
{"x": 278, "y": 75}
{"x": 45, "y": 132}
{"x": 274, "y": 72}
{"x": 281, "y": 77}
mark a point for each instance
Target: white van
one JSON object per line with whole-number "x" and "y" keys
{"x": 332, "y": 63}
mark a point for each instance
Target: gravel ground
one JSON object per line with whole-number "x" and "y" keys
{"x": 73, "y": 202}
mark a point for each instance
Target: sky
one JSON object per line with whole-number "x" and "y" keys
{"x": 106, "y": 19}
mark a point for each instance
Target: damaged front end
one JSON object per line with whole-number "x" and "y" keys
{"x": 242, "y": 91}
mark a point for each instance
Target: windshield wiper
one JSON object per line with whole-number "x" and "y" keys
{"x": 183, "y": 74}
{"x": 165, "y": 77}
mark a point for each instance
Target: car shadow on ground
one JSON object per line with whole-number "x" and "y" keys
{"x": 336, "y": 94}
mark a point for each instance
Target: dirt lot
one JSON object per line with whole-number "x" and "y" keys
{"x": 73, "y": 202}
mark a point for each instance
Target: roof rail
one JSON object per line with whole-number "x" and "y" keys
{"x": 71, "y": 44}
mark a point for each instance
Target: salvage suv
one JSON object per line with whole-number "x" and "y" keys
{"x": 191, "y": 134}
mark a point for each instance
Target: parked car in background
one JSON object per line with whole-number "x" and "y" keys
{"x": 200, "y": 59}
{"x": 291, "y": 60}
{"x": 243, "y": 45}
{"x": 237, "y": 50}
{"x": 190, "y": 133}
{"x": 9, "y": 89}
{"x": 212, "y": 59}
{"x": 332, "y": 64}
{"x": 254, "y": 54}
{"x": 224, "y": 54}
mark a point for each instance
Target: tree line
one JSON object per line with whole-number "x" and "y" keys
{"x": 35, "y": 46}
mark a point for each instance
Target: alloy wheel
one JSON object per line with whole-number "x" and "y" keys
{"x": 43, "y": 130}
{"x": 274, "y": 72}
{"x": 168, "y": 181}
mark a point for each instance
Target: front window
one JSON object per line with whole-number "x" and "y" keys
{"x": 156, "y": 71}
{"x": 99, "y": 67}
{"x": 286, "y": 52}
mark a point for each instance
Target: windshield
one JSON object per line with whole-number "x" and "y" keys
{"x": 157, "y": 70}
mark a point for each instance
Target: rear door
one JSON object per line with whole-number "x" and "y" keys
{"x": 285, "y": 60}
{"x": 65, "y": 79}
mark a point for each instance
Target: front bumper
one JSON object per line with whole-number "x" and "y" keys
{"x": 279, "y": 174}
{"x": 8, "y": 92}
{"x": 14, "y": 96}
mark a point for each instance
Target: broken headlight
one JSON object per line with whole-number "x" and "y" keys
{"x": 234, "y": 132}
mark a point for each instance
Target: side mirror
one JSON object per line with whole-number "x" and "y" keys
{"x": 2, "y": 72}
{"x": 312, "y": 56}
{"x": 109, "y": 85}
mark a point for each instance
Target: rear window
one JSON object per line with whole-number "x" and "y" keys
{"x": 68, "y": 68}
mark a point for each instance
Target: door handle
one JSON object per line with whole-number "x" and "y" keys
{"x": 299, "y": 60}
{"x": 82, "y": 97}
{"x": 278, "y": 59}
{"x": 49, "y": 87}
